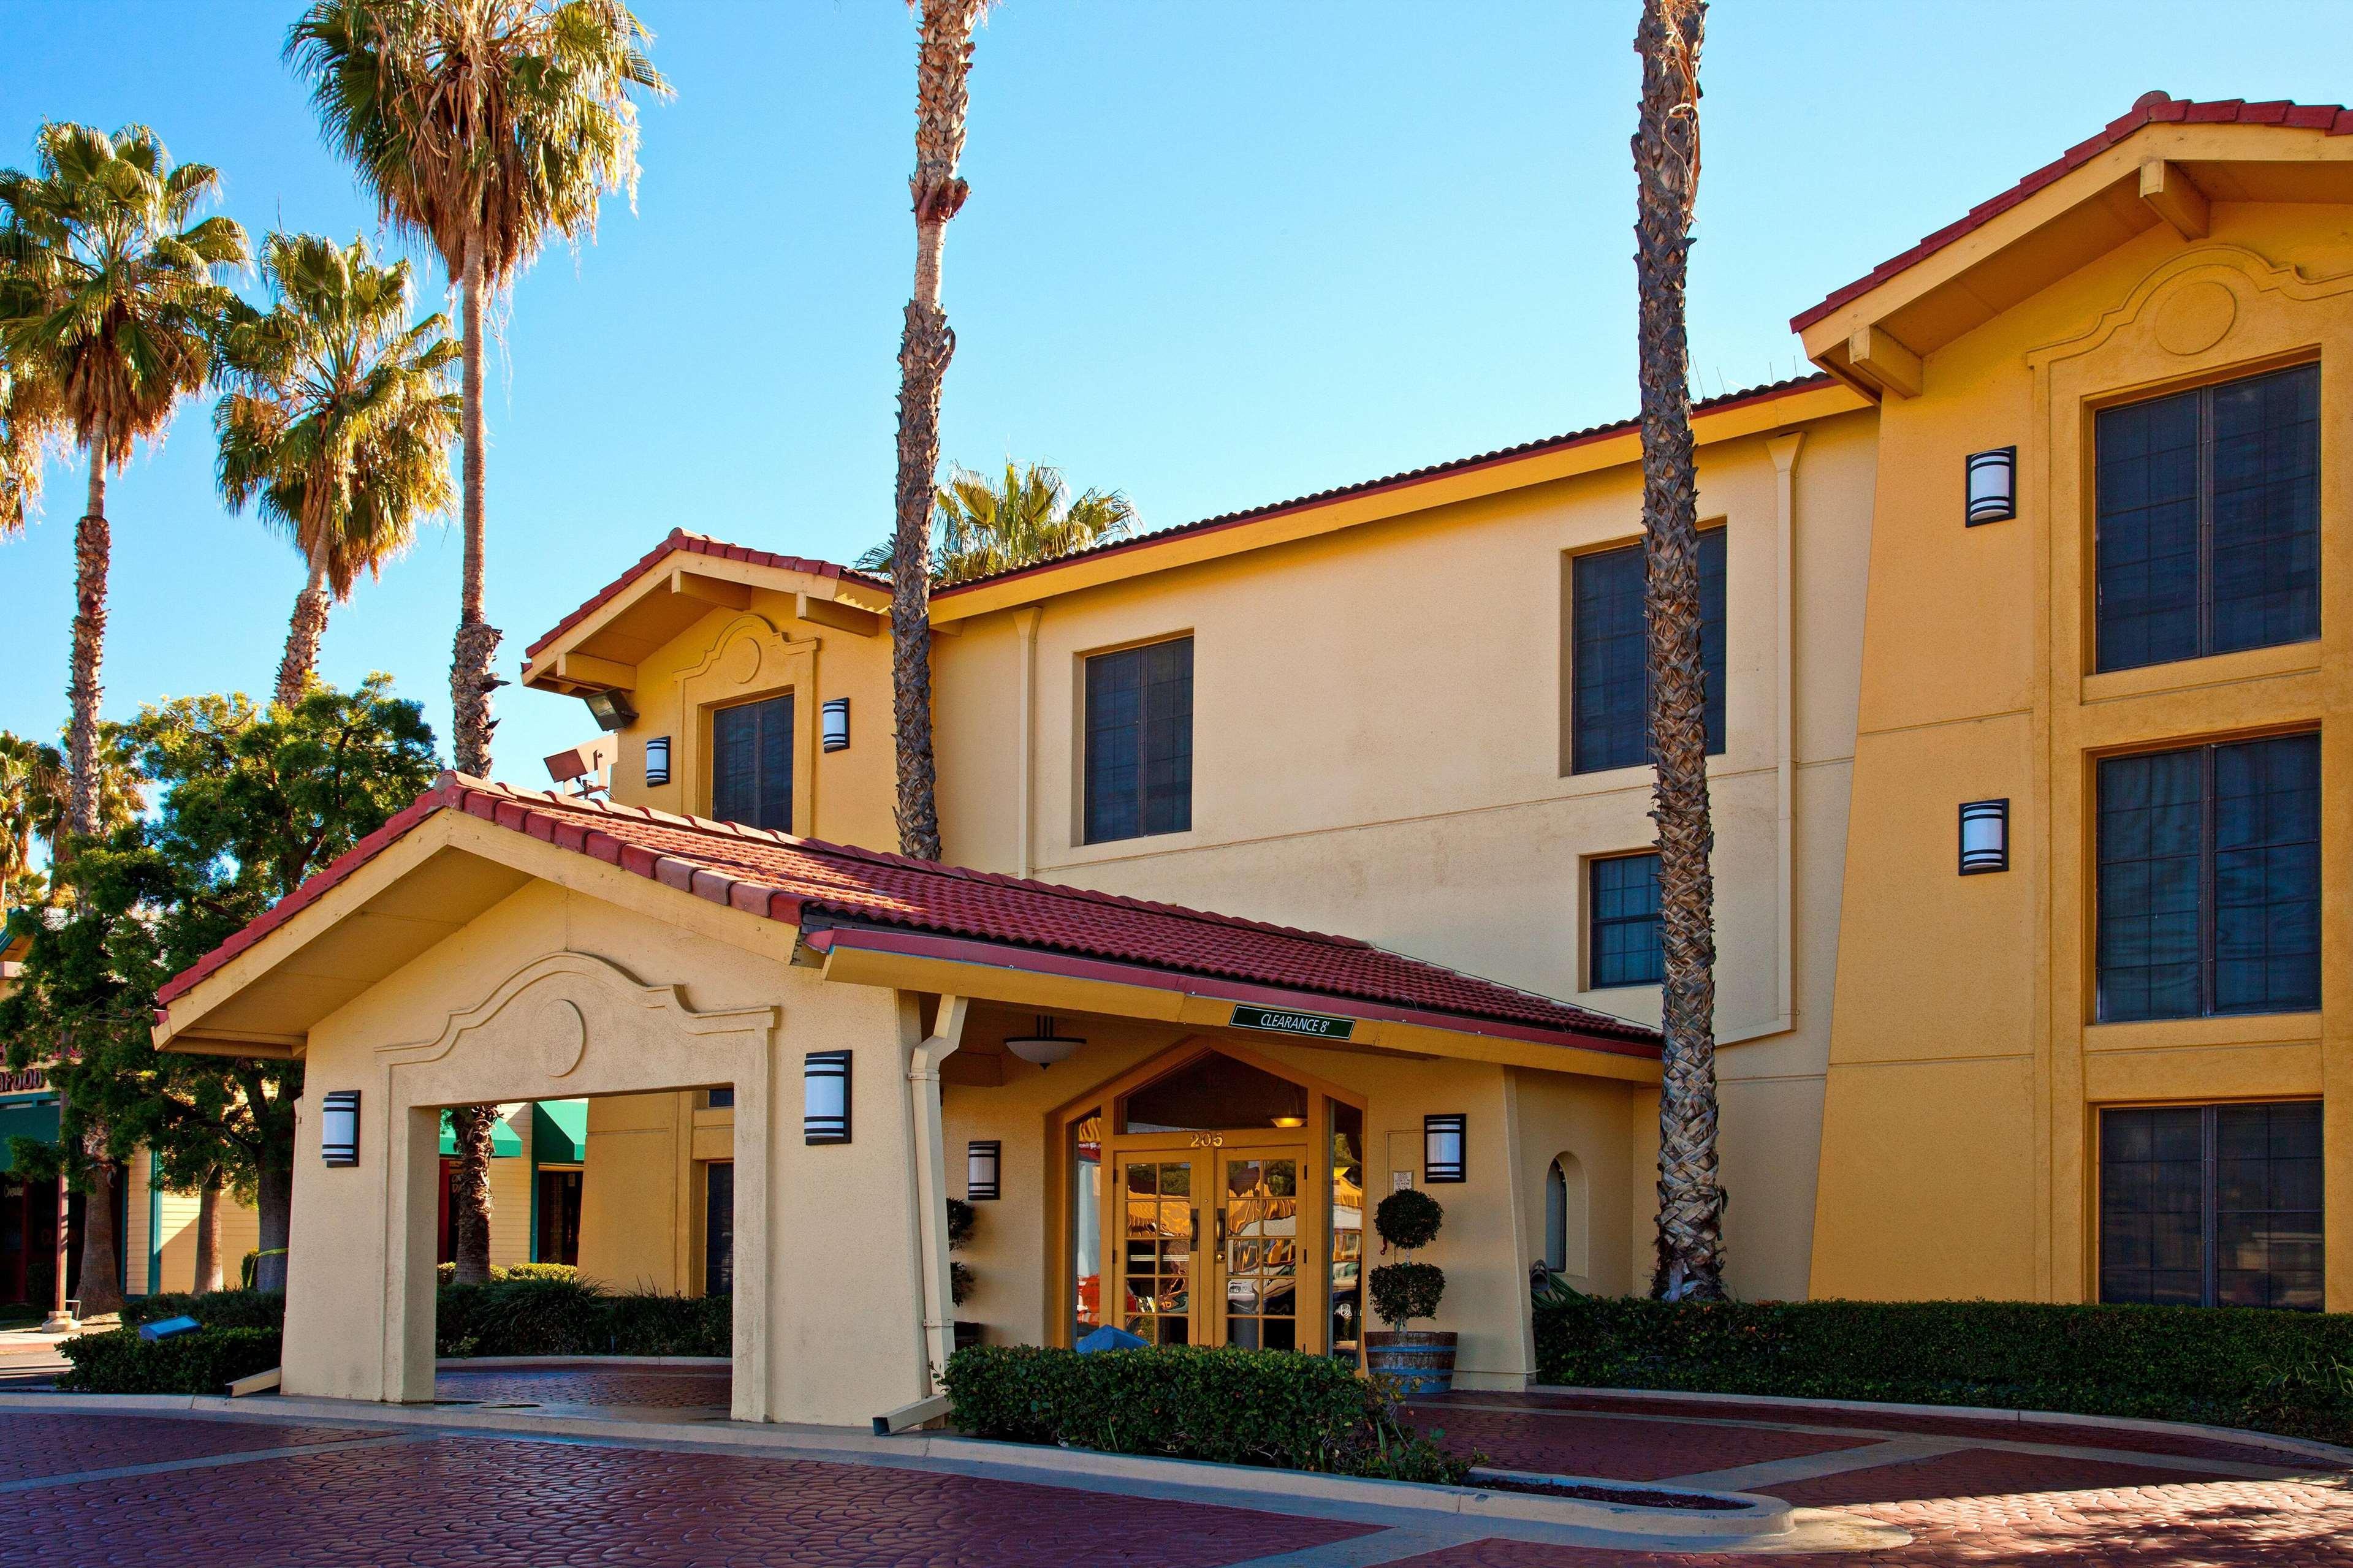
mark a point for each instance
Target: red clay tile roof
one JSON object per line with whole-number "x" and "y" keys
{"x": 2149, "y": 109}
{"x": 699, "y": 544}
{"x": 813, "y": 884}
{"x": 1366, "y": 487}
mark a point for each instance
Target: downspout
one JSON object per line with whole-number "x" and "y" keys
{"x": 1025, "y": 629}
{"x": 1783, "y": 450}
{"x": 932, "y": 1183}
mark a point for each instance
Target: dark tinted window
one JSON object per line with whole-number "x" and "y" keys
{"x": 719, "y": 1229}
{"x": 2209, "y": 881}
{"x": 1622, "y": 915}
{"x": 1609, "y": 670}
{"x": 1139, "y": 751}
{"x": 751, "y": 764}
{"x": 2216, "y": 1206}
{"x": 2209, "y": 524}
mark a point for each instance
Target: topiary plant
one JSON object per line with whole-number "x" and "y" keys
{"x": 1408, "y": 1220}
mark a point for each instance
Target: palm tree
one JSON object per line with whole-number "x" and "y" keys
{"x": 338, "y": 424}
{"x": 481, "y": 127}
{"x": 30, "y": 422}
{"x": 985, "y": 527}
{"x": 1666, "y": 166}
{"x": 943, "y": 64}
{"x": 109, "y": 298}
{"x": 29, "y": 782}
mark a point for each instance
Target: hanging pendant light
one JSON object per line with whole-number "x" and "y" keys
{"x": 1045, "y": 1047}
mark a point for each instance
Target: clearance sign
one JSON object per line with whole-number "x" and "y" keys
{"x": 1276, "y": 1021}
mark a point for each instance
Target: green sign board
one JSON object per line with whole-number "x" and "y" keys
{"x": 1274, "y": 1020}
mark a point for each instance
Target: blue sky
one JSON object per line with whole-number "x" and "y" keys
{"x": 1216, "y": 254}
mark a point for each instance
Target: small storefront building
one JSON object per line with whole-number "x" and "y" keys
{"x": 1167, "y": 1119}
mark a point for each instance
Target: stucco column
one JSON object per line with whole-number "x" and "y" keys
{"x": 757, "y": 1120}
{"x": 59, "y": 1320}
{"x": 412, "y": 1208}
{"x": 932, "y": 1181}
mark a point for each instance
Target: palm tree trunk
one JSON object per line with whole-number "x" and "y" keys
{"x": 208, "y": 1238}
{"x": 471, "y": 683}
{"x": 942, "y": 101}
{"x": 93, "y": 546}
{"x": 1666, "y": 164}
{"x": 470, "y": 1203}
{"x": 308, "y": 625}
{"x": 101, "y": 1291}
{"x": 273, "y": 1203}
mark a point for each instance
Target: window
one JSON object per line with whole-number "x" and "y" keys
{"x": 2212, "y": 1205}
{"x": 1622, "y": 922}
{"x": 718, "y": 1228}
{"x": 1609, "y": 664}
{"x": 751, "y": 764}
{"x": 1139, "y": 749}
{"x": 721, "y": 1099}
{"x": 2209, "y": 881}
{"x": 2209, "y": 521}
{"x": 559, "y": 1217}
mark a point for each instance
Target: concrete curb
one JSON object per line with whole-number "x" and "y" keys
{"x": 465, "y": 1362}
{"x": 1762, "y": 1520}
{"x": 2302, "y": 1447}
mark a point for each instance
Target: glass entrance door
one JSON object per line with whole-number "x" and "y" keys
{"x": 1257, "y": 1249}
{"x": 1159, "y": 1218}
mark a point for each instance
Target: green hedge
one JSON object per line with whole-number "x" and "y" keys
{"x": 523, "y": 1313}
{"x": 526, "y": 1316}
{"x": 2290, "y": 1372}
{"x": 204, "y": 1362}
{"x": 1231, "y": 1406}
{"x": 213, "y": 1309}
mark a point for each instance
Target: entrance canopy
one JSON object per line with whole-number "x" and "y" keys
{"x": 862, "y": 916}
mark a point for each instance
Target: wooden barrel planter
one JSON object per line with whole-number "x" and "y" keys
{"x": 1422, "y": 1361}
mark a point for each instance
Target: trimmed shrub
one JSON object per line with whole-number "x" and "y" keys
{"x": 1404, "y": 1291}
{"x": 565, "y": 1315}
{"x": 213, "y": 1309}
{"x": 1272, "y": 1408}
{"x": 2290, "y": 1372}
{"x": 204, "y": 1362}
{"x": 534, "y": 1271}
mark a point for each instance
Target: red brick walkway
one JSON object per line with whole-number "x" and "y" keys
{"x": 658, "y": 1387}
{"x": 1971, "y": 1493}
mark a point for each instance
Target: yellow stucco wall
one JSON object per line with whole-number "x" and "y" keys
{"x": 1378, "y": 740}
{"x": 1967, "y": 1069}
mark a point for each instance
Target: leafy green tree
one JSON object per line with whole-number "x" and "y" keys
{"x": 253, "y": 801}
{"x": 481, "y": 127}
{"x": 982, "y": 527}
{"x": 338, "y": 422}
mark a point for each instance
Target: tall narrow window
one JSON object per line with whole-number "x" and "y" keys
{"x": 1622, "y": 922}
{"x": 2214, "y": 1205}
{"x": 1139, "y": 751}
{"x": 751, "y": 764}
{"x": 2209, "y": 506}
{"x": 1608, "y": 658}
{"x": 719, "y": 1229}
{"x": 2209, "y": 881}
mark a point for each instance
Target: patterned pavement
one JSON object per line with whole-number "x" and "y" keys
{"x": 103, "y": 1489}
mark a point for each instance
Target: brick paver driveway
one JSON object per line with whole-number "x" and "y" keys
{"x": 98, "y": 1488}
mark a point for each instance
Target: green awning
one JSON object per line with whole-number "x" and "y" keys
{"x": 28, "y": 1118}
{"x": 504, "y": 1144}
{"x": 559, "y": 1133}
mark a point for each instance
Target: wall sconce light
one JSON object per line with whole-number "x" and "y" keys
{"x": 1993, "y": 486}
{"x": 982, "y": 1161}
{"x": 1985, "y": 837}
{"x": 339, "y": 1127}
{"x": 1441, "y": 1148}
{"x": 611, "y": 710}
{"x": 837, "y": 723}
{"x": 658, "y": 760}
{"x": 1045, "y": 1047}
{"x": 825, "y": 1098}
